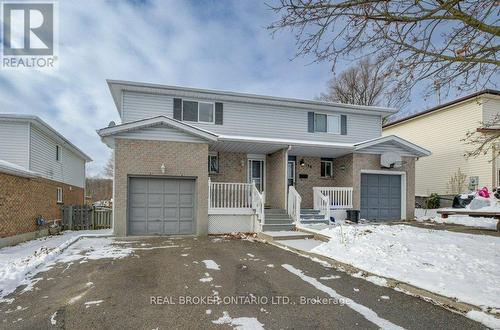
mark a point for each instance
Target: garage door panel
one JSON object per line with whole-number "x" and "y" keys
{"x": 380, "y": 196}
{"x": 161, "y": 206}
{"x": 138, "y": 213}
{"x": 155, "y": 200}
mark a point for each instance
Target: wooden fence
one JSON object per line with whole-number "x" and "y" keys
{"x": 85, "y": 217}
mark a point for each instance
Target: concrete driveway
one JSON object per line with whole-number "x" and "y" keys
{"x": 150, "y": 289}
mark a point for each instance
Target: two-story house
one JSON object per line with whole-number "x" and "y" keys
{"x": 194, "y": 161}
{"x": 442, "y": 130}
{"x": 40, "y": 171}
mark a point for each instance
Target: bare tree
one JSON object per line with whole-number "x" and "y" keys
{"x": 362, "y": 84}
{"x": 445, "y": 43}
{"x": 485, "y": 139}
{"x": 108, "y": 168}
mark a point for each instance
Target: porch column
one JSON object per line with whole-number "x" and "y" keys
{"x": 276, "y": 179}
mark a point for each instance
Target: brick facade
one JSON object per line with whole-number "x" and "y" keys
{"x": 23, "y": 199}
{"x": 276, "y": 179}
{"x": 232, "y": 168}
{"x": 304, "y": 186}
{"x": 143, "y": 157}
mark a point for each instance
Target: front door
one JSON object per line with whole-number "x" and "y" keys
{"x": 291, "y": 173}
{"x": 256, "y": 173}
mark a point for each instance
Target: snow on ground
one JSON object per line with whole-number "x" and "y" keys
{"x": 210, "y": 264}
{"x": 485, "y": 223}
{"x": 240, "y": 323}
{"x": 16, "y": 262}
{"x": 369, "y": 314}
{"x": 457, "y": 265}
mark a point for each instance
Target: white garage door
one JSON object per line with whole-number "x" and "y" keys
{"x": 161, "y": 206}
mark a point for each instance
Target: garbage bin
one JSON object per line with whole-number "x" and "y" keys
{"x": 353, "y": 215}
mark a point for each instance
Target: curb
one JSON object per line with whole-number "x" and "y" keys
{"x": 434, "y": 298}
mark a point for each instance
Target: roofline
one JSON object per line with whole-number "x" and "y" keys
{"x": 262, "y": 98}
{"x": 12, "y": 169}
{"x": 461, "y": 99}
{"x": 284, "y": 142}
{"x": 39, "y": 122}
{"x": 108, "y": 131}
{"x": 382, "y": 139}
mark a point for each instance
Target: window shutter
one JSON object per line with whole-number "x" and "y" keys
{"x": 177, "y": 109}
{"x": 219, "y": 113}
{"x": 310, "y": 122}
{"x": 343, "y": 124}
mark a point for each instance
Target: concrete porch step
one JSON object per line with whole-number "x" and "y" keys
{"x": 273, "y": 221}
{"x": 275, "y": 211}
{"x": 313, "y": 221}
{"x": 312, "y": 216}
{"x": 284, "y": 235}
{"x": 309, "y": 211}
{"x": 277, "y": 227}
{"x": 277, "y": 216}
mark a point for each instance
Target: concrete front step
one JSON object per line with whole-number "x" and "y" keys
{"x": 277, "y": 216}
{"x": 309, "y": 211}
{"x": 284, "y": 235}
{"x": 273, "y": 221}
{"x": 312, "y": 216}
{"x": 277, "y": 227}
{"x": 274, "y": 211}
{"x": 313, "y": 221}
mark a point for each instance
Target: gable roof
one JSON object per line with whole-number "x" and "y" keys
{"x": 393, "y": 139}
{"x": 46, "y": 128}
{"x": 155, "y": 121}
{"x": 461, "y": 99}
{"x": 117, "y": 86}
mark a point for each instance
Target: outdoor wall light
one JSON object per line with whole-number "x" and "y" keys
{"x": 342, "y": 167}
{"x": 162, "y": 168}
{"x": 302, "y": 163}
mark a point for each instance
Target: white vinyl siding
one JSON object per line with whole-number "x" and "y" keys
{"x": 71, "y": 168}
{"x": 441, "y": 133}
{"x": 161, "y": 133}
{"x": 490, "y": 107}
{"x": 14, "y": 143}
{"x": 255, "y": 120}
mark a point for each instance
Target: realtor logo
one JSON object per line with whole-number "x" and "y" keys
{"x": 28, "y": 35}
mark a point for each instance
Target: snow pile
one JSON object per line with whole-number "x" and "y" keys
{"x": 16, "y": 262}
{"x": 210, "y": 264}
{"x": 456, "y": 265}
{"x": 477, "y": 222}
{"x": 240, "y": 323}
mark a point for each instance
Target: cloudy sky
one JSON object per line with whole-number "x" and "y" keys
{"x": 207, "y": 44}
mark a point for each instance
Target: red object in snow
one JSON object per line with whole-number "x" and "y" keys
{"x": 483, "y": 192}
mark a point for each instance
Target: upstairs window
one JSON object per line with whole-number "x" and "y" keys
{"x": 198, "y": 111}
{"x": 327, "y": 123}
{"x": 213, "y": 163}
{"x": 326, "y": 169}
{"x": 58, "y": 153}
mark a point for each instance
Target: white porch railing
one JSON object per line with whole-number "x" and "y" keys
{"x": 235, "y": 198}
{"x": 338, "y": 197}
{"x": 321, "y": 203}
{"x": 293, "y": 207}
{"x": 258, "y": 201}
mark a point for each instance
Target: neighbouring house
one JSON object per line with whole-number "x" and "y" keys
{"x": 441, "y": 130}
{"x": 40, "y": 171}
{"x": 194, "y": 161}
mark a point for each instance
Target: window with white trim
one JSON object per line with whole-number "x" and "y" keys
{"x": 326, "y": 169}
{"x": 58, "y": 153}
{"x": 59, "y": 195}
{"x": 327, "y": 123}
{"x": 202, "y": 112}
{"x": 213, "y": 163}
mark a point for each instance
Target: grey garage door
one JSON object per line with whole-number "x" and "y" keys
{"x": 161, "y": 206}
{"x": 380, "y": 197}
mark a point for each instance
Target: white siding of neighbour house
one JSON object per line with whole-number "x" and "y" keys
{"x": 441, "y": 133}
{"x": 14, "y": 143}
{"x": 254, "y": 120}
{"x": 71, "y": 168}
{"x": 490, "y": 107}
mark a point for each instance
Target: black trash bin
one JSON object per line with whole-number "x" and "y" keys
{"x": 353, "y": 215}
